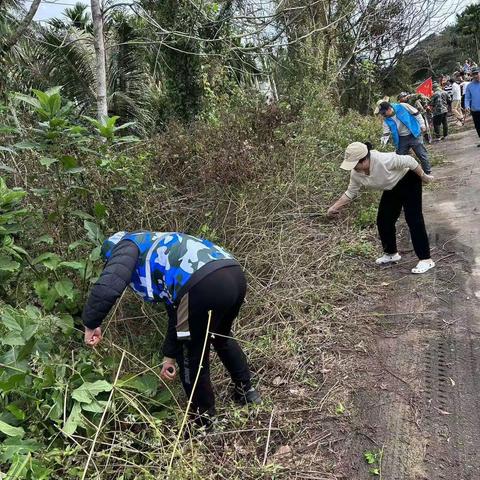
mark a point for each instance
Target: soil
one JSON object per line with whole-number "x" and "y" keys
{"x": 419, "y": 400}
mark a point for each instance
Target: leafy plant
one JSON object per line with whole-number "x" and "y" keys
{"x": 108, "y": 130}
{"x": 367, "y": 217}
{"x": 43, "y": 396}
{"x": 11, "y": 255}
{"x": 374, "y": 459}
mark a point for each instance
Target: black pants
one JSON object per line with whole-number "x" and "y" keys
{"x": 222, "y": 292}
{"x": 476, "y": 120}
{"x": 440, "y": 120}
{"x": 407, "y": 194}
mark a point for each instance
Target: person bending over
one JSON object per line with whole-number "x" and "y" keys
{"x": 192, "y": 277}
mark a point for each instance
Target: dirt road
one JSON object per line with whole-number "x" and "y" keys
{"x": 422, "y": 409}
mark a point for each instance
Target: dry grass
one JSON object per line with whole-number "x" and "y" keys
{"x": 299, "y": 328}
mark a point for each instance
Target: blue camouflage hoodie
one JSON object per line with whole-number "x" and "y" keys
{"x": 168, "y": 261}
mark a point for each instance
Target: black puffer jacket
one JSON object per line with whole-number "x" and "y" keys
{"x": 110, "y": 285}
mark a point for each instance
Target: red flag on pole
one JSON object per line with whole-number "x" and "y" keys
{"x": 426, "y": 88}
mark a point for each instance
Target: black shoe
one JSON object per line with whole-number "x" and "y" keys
{"x": 251, "y": 396}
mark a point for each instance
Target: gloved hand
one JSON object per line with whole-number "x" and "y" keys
{"x": 384, "y": 140}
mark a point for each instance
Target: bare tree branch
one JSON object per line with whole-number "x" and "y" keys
{"x": 22, "y": 27}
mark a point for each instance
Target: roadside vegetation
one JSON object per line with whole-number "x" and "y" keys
{"x": 190, "y": 143}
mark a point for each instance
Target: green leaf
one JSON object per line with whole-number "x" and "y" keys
{"x": 53, "y": 90}
{"x": 73, "y": 420}
{"x": 46, "y": 161}
{"x": 374, "y": 471}
{"x": 13, "y": 382}
{"x": 28, "y": 99}
{"x": 19, "y": 467}
{"x": 146, "y": 384}
{"x": 10, "y": 321}
{"x": 47, "y": 295}
{"x": 73, "y": 265}
{"x": 18, "y": 413}
{"x": 13, "y": 339}
{"x": 65, "y": 323}
{"x": 87, "y": 392}
{"x": 76, "y": 244}
{"x": 124, "y": 125}
{"x": 49, "y": 260}
{"x": 10, "y": 431}
{"x": 95, "y": 254}
{"x": 82, "y": 215}
{"x": 16, "y": 446}
{"x": 370, "y": 457}
{"x": 8, "y": 265}
{"x": 93, "y": 232}
{"x": 340, "y": 409}
{"x": 41, "y": 287}
{"x": 95, "y": 406}
{"x": 100, "y": 210}
{"x": 65, "y": 288}
{"x": 44, "y": 239}
{"x": 27, "y": 146}
{"x": 39, "y": 471}
{"x": 68, "y": 161}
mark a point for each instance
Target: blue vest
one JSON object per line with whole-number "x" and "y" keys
{"x": 407, "y": 119}
{"x": 166, "y": 261}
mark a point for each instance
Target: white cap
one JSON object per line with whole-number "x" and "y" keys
{"x": 353, "y": 154}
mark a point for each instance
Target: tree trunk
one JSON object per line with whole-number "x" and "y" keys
{"x": 22, "y": 26}
{"x": 100, "y": 68}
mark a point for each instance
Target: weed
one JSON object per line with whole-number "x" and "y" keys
{"x": 374, "y": 459}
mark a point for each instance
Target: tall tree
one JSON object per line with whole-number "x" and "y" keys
{"x": 468, "y": 24}
{"x": 100, "y": 63}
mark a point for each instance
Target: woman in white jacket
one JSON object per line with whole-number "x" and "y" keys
{"x": 400, "y": 177}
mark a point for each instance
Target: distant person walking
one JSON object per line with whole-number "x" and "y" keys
{"x": 457, "y": 100}
{"x": 400, "y": 177}
{"x": 405, "y": 124}
{"x": 472, "y": 99}
{"x": 439, "y": 104}
{"x": 463, "y": 86}
{"x": 447, "y": 87}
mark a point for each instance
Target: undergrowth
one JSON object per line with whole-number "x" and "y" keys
{"x": 258, "y": 182}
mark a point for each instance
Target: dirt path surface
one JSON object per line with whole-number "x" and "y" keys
{"x": 422, "y": 409}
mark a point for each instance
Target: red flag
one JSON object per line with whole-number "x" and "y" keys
{"x": 426, "y": 88}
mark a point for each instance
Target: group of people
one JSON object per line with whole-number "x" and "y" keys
{"x": 203, "y": 286}
{"x": 450, "y": 95}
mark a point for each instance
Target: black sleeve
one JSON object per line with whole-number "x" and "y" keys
{"x": 170, "y": 344}
{"x": 115, "y": 277}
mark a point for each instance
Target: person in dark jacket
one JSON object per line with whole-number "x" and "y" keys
{"x": 192, "y": 277}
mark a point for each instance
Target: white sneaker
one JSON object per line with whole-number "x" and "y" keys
{"x": 388, "y": 258}
{"x": 423, "y": 266}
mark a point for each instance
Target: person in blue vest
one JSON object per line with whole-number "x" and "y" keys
{"x": 406, "y": 125}
{"x": 191, "y": 277}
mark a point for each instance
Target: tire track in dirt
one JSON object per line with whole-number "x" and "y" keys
{"x": 422, "y": 403}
